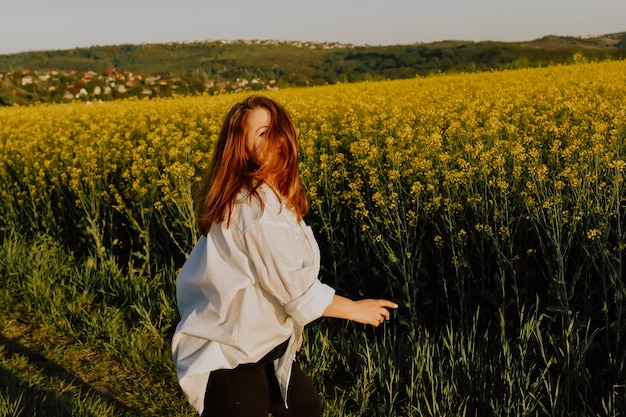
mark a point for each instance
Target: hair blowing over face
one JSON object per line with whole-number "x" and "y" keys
{"x": 232, "y": 169}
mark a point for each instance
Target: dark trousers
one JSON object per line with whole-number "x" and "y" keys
{"x": 252, "y": 390}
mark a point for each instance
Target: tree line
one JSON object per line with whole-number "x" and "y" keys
{"x": 225, "y": 66}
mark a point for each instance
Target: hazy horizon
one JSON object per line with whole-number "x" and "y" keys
{"x": 67, "y": 24}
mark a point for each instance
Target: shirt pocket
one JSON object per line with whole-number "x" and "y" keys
{"x": 311, "y": 242}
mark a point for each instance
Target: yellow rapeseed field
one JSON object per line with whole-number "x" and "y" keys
{"x": 545, "y": 143}
{"x": 549, "y": 142}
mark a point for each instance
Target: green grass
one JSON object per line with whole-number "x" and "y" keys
{"x": 72, "y": 344}
{"x": 81, "y": 340}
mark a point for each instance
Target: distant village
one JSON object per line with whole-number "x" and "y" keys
{"x": 58, "y": 86}
{"x": 64, "y": 86}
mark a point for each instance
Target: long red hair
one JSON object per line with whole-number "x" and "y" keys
{"x": 232, "y": 169}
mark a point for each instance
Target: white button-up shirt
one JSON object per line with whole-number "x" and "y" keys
{"x": 244, "y": 290}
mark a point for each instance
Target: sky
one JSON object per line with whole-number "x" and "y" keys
{"x": 66, "y": 24}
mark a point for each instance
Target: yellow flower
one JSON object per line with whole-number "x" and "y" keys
{"x": 593, "y": 234}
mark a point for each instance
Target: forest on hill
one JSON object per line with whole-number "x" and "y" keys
{"x": 182, "y": 68}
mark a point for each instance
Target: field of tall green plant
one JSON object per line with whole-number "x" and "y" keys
{"x": 490, "y": 207}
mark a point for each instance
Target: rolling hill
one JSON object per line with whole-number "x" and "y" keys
{"x": 155, "y": 70}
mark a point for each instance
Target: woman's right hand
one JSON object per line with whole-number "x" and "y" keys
{"x": 367, "y": 311}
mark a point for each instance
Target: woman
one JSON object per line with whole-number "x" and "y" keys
{"x": 250, "y": 285}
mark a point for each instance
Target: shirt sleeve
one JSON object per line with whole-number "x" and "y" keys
{"x": 286, "y": 262}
